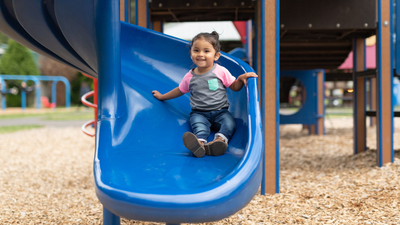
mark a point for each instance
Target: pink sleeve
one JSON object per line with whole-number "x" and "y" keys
{"x": 224, "y": 75}
{"x": 184, "y": 85}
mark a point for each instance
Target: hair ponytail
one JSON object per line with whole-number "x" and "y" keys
{"x": 215, "y": 34}
{"x": 212, "y": 38}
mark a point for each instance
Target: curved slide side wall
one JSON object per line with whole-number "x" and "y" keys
{"x": 142, "y": 170}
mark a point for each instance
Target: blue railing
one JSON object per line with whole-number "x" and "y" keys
{"x": 36, "y": 80}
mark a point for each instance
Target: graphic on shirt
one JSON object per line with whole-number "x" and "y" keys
{"x": 208, "y": 90}
{"x": 213, "y": 84}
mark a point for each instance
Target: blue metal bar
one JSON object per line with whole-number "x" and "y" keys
{"x": 262, "y": 55}
{"x": 277, "y": 82}
{"x": 54, "y": 93}
{"x": 23, "y": 98}
{"x": 67, "y": 94}
{"x": 379, "y": 81}
{"x": 391, "y": 74}
{"x": 37, "y": 80}
{"x": 109, "y": 218}
{"x": 379, "y": 116}
{"x": 3, "y": 97}
{"x": 111, "y": 105}
{"x": 263, "y": 34}
{"x": 127, "y": 6}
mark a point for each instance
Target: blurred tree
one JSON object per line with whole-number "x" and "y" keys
{"x": 50, "y": 67}
{"x": 3, "y": 39}
{"x": 17, "y": 60}
{"x": 76, "y": 85}
{"x": 54, "y": 68}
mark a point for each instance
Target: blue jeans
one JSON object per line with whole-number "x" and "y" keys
{"x": 220, "y": 121}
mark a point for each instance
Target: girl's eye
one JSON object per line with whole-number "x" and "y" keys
{"x": 207, "y": 51}
{"x": 196, "y": 50}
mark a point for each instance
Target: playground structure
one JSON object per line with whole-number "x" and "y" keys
{"x": 301, "y": 35}
{"x": 93, "y": 105}
{"x": 312, "y": 110}
{"x": 181, "y": 197}
{"x": 36, "y": 80}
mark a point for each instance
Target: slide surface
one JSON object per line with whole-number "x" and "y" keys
{"x": 142, "y": 170}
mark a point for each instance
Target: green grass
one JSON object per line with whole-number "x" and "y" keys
{"x": 71, "y": 115}
{"x": 20, "y": 115}
{"x": 10, "y": 129}
{"x": 338, "y": 112}
{"x": 338, "y": 115}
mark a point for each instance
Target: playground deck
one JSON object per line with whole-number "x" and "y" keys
{"x": 322, "y": 181}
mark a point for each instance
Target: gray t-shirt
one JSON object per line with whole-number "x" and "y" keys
{"x": 208, "y": 90}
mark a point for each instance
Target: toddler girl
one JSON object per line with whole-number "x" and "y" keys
{"x": 207, "y": 85}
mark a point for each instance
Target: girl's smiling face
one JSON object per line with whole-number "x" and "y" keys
{"x": 203, "y": 55}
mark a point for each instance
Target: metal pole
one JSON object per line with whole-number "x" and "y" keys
{"x": 23, "y": 97}
{"x": 3, "y": 97}
{"x": 109, "y": 218}
{"x": 111, "y": 103}
{"x": 67, "y": 94}
{"x": 54, "y": 93}
{"x": 38, "y": 91}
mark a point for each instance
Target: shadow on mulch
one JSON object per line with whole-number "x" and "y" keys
{"x": 397, "y": 153}
{"x": 295, "y": 133}
{"x": 328, "y": 163}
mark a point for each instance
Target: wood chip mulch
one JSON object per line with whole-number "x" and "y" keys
{"x": 46, "y": 178}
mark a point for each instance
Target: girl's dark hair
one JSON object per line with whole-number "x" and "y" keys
{"x": 212, "y": 38}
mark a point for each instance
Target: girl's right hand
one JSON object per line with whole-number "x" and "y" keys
{"x": 157, "y": 95}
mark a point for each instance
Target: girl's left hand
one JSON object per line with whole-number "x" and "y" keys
{"x": 244, "y": 77}
{"x": 157, "y": 95}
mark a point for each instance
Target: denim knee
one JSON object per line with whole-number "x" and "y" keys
{"x": 227, "y": 124}
{"x": 200, "y": 125}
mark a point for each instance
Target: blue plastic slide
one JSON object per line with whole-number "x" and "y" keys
{"x": 142, "y": 170}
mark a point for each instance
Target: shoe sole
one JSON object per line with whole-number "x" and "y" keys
{"x": 217, "y": 148}
{"x": 191, "y": 142}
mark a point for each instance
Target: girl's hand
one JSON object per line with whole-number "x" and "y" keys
{"x": 157, "y": 95}
{"x": 244, "y": 77}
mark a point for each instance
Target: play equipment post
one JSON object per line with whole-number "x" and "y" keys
{"x": 359, "y": 96}
{"x": 37, "y": 80}
{"x": 268, "y": 71}
{"x": 3, "y": 97}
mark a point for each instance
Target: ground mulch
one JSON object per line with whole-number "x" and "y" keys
{"x": 46, "y": 178}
